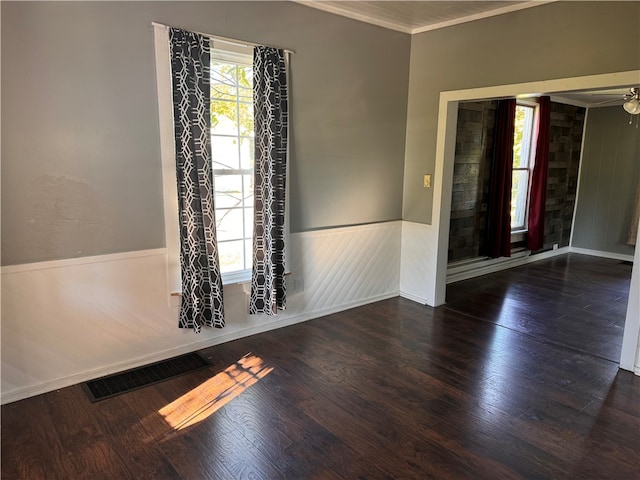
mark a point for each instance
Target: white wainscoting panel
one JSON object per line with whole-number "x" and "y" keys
{"x": 417, "y": 267}
{"x": 66, "y": 323}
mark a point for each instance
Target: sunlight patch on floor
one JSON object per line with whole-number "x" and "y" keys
{"x": 204, "y": 400}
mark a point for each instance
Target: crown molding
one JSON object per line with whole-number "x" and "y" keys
{"x": 335, "y": 9}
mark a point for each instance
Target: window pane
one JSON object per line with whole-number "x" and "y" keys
{"x": 224, "y": 117}
{"x": 246, "y": 119}
{"x": 245, "y": 83}
{"x": 248, "y": 190}
{"x": 248, "y": 222}
{"x": 231, "y": 256}
{"x": 522, "y": 135}
{"x": 224, "y": 152}
{"x": 247, "y": 150}
{"x": 248, "y": 253}
{"x": 229, "y": 224}
{"x": 224, "y": 81}
{"x": 519, "y": 192}
{"x": 232, "y": 135}
{"x": 228, "y": 191}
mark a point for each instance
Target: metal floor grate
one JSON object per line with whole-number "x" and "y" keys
{"x": 112, "y": 385}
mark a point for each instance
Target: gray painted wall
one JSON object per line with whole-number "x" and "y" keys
{"x": 81, "y": 170}
{"x": 557, "y": 40}
{"x": 609, "y": 176}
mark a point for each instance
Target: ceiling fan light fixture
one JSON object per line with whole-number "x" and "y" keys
{"x": 632, "y": 106}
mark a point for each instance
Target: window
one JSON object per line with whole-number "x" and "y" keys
{"x": 232, "y": 151}
{"x": 523, "y": 159}
{"x": 232, "y": 145}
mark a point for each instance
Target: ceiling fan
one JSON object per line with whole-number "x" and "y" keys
{"x": 632, "y": 103}
{"x": 631, "y": 100}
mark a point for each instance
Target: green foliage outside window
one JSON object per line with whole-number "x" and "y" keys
{"x": 232, "y": 97}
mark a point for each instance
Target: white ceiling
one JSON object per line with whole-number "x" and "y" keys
{"x": 595, "y": 98}
{"x": 419, "y": 16}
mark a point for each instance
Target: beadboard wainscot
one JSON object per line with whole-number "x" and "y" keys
{"x": 417, "y": 280}
{"x": 68, "y": 321}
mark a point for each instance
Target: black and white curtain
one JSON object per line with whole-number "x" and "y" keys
{"x": 268, "y": 293}
{"x": 201, "y": 280}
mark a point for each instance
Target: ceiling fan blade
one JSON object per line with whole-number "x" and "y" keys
{"x": 613, "y": 100}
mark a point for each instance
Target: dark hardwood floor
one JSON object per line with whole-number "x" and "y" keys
{"x": 575, "y": 301}
{"x": 513, "y": 378}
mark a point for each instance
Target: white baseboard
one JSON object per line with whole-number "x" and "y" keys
{"x": 413, "y": 298}
{"x": 467, "y": 270}
{"x": 599, "y": 253}
{"x": 548, "y": 254}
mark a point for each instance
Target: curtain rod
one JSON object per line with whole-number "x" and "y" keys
{"x": 230, "y": 41}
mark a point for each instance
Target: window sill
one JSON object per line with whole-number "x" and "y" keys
{"x": 235, "y": 278}
{"x": 518, "y": 235}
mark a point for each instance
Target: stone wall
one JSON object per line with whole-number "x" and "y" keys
{"x": 567, "y": 124}
{"x": 471, "y": 174}
{"x": 472, "y": 169}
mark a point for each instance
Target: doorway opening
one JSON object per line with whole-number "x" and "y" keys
{"x": 443, "y": 178}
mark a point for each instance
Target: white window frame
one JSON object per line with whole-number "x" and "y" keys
{"x": 168, "y": 155}
{"x": 243, "y": 56}
{"x": 531, "y": 155}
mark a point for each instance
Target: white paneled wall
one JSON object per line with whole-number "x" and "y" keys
{"x": 418, "y": 264}
{"x": 72, "y": 320}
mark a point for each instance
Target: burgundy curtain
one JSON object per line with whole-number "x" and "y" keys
{"x": 499, "y": 221}
{"x": 538, "y": 195}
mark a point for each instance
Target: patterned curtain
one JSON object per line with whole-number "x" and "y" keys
{"x": 268, "y": 292}
{"x": 201, "y": 279}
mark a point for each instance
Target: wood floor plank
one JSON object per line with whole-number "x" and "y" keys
{"x": 300, "y": 446}
{"x": 35, "y": 451}
{"x": 88, "y": 451}
{"x": 117, "y": 420}
{"x": 553, "y": 299}
{"x": 313, "y": 447}
{"x": 198, "y": 451}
